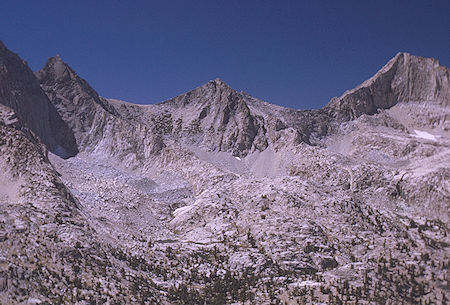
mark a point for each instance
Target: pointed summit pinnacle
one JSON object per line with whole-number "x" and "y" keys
{"x": 56, "y": 69}
{"x": 219, "y": 83}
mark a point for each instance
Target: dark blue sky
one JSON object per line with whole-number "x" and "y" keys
{"x": 293, "y": 53}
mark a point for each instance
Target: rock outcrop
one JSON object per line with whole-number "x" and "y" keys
{"x": 405, "y": 78}
{"x": 71, "y": 95}
{"x": 20, "y": 90}
{"x": 97, "y": 127}
{"x": 217, "y": 118}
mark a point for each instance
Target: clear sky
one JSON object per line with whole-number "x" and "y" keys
{"x": 293, "y": 53}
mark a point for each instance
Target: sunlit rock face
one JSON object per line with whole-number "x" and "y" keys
{"x": 216, "y": 197}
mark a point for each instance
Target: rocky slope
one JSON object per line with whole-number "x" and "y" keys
{"x": 216, "y": 197}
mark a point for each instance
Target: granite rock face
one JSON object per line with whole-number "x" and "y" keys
{"x": 216, "y": 197}
{"x": 405, "y": 78}
{"x": 223, "y": 120}
{"x": 20, "y": 90}
{"x": 97, "y": 127}
{"x": 76, "y": 101}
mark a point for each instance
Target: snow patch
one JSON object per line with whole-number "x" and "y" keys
{"x": 182, "y": 210}
{"x": 424, "y": 135}
{"x": 307, "y": 283}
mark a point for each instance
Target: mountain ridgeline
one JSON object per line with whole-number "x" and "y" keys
{"x": 72, "y": 117}
{"x": 217, "y": 197}
{"x": 220, "y": 119}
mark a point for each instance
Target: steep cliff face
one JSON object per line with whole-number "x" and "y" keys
{"x": 216, "y": 117}
{"x": 405, "y": 78}
{"x": 97, "y": 127}
{"x": 71, "y": 95}
{"x": 20, "y": 90}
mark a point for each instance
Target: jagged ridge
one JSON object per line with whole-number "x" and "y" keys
{"x": 365, "y": 202}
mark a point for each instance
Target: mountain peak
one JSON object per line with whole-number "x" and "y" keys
{"x": 31, "y": 104}
{"x": 404, "y": 78}
{"x": 56, "y": 58}
{"x": 401, "y": 53}
{"x": 219, "y": 83}
{"x": 56, "y": 69}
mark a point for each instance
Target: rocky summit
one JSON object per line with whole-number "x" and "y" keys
{"x": 217, "y": 197}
